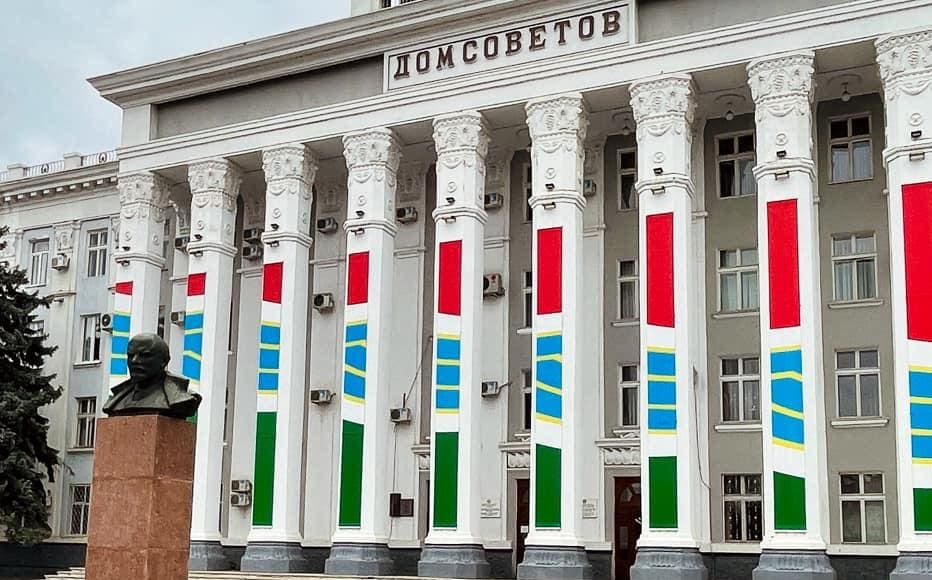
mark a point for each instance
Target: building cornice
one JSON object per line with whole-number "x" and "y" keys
{"x": 78, "y": 180}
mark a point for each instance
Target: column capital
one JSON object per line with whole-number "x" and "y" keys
{"x": 214, "y": 181}
{"x": 783, "y": 82}
{"x": 657, "y": 102}
{"x": 289, "y": 167}
{"x": 905, "y": 62}
{"x": 143, "y": 189}
{"x": 559, "y": 117}
{"x": 373, "y": 149}
{"x": 458, "y": 133}
{"x": 372, "y": 159}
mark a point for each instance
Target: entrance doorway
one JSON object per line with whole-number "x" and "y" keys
{"x": 627, "y": 524}
{"x": 522, "y": 518}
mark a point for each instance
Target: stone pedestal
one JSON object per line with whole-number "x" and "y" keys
{"x": 140, "y": 522}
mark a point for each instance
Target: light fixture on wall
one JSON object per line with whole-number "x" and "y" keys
{"x": 845, "y": 95}
{"x": 730, "y": 113}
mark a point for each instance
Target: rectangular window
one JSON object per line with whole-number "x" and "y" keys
{"x": 863, "y": 514}
{"x": 740, "y": 379}
{"x": 736, "y": 158}
{"x": 737, "y": 280}
{"x": 854, "y": 267}
{"x": 90, "y": 338}
{"x": 528, "y": 185}
{"x": 86, "y": 423}
{"x": 857, "y": 376}
{"x": 628, "y": 395}
{"x": 742, "y": 507}
{"x": 627, "y": 306}
{"x": 39, "y": 262}
{"x": 850, "y": 143}
{"x": 80, "y": 509}
{"x": 96, "y": 253}
{"x": 527, "y": 291}
{"x": 37, "y": 327}
{"x": 627, "y": 179}
{"x": 526, "y": 394}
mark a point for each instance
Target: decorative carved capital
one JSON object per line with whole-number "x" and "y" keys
{"x": 214, "y": 182}
{"x": 412, "y": 181}
{"x": 561, "y": 117}
{"x": 143, "y": 195}
{"x": 290, "y": 169}
{"x": 905, "y": 62}
{"x": 782, "y": 84}
{"x": 460, "y": 134}
{"x": 64, "y": 237}
{"x": 372, "y": 150}
{"x": 660, "y": 102}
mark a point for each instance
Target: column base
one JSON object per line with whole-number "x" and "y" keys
{"x": 793, "y": 565}
{"x": 668, "y": 564}
{"x": 359, "y": 560}
{"x": 274, "y": 557}
{"x": 554, "y": 563}
{"x": 913, "y": 566}
{"x": 207, "y": 556}
{"x": 453, "y": 561}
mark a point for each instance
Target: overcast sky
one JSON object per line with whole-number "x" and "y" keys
{"x": 48, "y": 48}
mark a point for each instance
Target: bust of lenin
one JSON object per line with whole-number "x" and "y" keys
{"x": 150, "y": 390}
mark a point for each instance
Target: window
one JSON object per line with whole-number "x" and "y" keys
{"x": 80, "y": 509}
{"x": 90, "y": 338}
{"x": 628, "y": 395}
{"x": 627, "y": 178}
{"x": 96, "y": 253}
{"x": 863, "y": 519}
{"x": 528, "y": 184}
{"x": 854, "y": 266}
{"x": 741, "y": 390}
{"x": 87, "y": 422}
{"x": 851, "y": 149}
{"x": 526, "y": 394}
{"x": 627, "y": 290}
{"x": 737, "y": 277}
{"x": 527, "y": 290}
{"x": 735, "y": 154}
{"x": 39, "y": 262}
{"x": 743, "y": 508}
{"x": 857, "y": 374}
{"x": 37, "y": 327}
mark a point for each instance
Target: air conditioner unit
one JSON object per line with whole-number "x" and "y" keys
{"x": 252, "y": 235}
{"x": 323, "y": 302}
{"x": 494, "y": 200}
{"x": 490, "y": 388}
{"x": 177, "y": 317}
{"x": 106, "y": 322}
{"x": 406, "y": 215}
{"x": 327, "y": 225}
{"x": 60, "y": 262}
{"x": 589, "y": 188}
{"x": 251, "y": 252}
{"x": 181, "y": 243}
{"x": 241, "y": 486}
{"x": 321, "y": 396}
{"x": 492, "y": 285}
{"x": 401, "y": 415}
{"x": 240, "y": 500}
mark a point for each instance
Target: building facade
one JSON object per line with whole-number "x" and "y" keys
{"x": 541, "y": 289}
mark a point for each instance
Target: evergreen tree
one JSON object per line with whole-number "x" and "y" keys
{"x": 26, "y": 459}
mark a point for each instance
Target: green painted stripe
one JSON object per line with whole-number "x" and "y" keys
{"x": 351, "y": 475}
{"x": 446, "y": 468}
{"x": 264, "y": 478}
{"x": 548, "y": 468}
{"x": 922, "y": 509}
{"x": 789, "y": 502}
{"x": 663, "y": 500}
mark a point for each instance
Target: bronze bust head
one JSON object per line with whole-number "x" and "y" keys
{"x": 150, "y": 389}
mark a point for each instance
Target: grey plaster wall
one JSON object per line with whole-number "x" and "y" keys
{"x": 519, "y": 261}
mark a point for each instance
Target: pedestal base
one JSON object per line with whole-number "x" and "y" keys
{"x": 554, "y": 563}
{"x": 205, "y": 556}
{"x": 453, "y": 561}
{"x": 274, "y": 557}
{"x": 359, "y": 560}
{"x": 668, "y": 564}
{"x": 913, "y": 566}
{"x": 780, "y": 565}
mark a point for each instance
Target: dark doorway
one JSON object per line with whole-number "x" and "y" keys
{"x": 627, "y": 524}
{"x": 522, "y": 518}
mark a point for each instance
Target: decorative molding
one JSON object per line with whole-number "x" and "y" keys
{"x": 422, "y": 454}
{"x": 782, "y": 85}
{"x": 497, "y": 165}
{"x": 557, "y": 120}
{"x": 330, "y": 194}
{"x": 905, "y": 62}
{"x": 595, "y": 152}
{"x": 517, "y": 454}
{"x": 214, "y": 182}
{"x": 289, "y": 169}
{"x": 662, "y": 104}
{"x": 253, "y": 210}
{"x": 459, "y": 136}
{"x": 9, "y": 247}
{"x": 64, "y": 237}
{"x": 412, "y": 181}
{"x": 372, "y": 152}
{"x": 143, "y": 194}
{"x": 623, "y": 450}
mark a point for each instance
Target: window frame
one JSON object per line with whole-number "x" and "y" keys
{"x": 854, "y": 257}
{"x": 624, "y": 385}
{"x": 623, "y": 172}
{"x": 527, "y": 185}
{"x": 629, "y": 279}
{"x": 739, "y": 270}
{"x": 96, "y": 339}
{"x": 33, "y": 255}
{"x": 858, "y": 371}
{"x": 527, "y": 296}
{"x": 85, "y": 510}
{"x": 741, "y": 378}
{"x": 862, "y": 497}
{"x": 87, "y": 418}
{"x": 527, "y": 409}
{"x": 97, "y": 253}
{"x": 742, "y": 499}
{"x": 736, "y": 158}
{"x": 849, "y": 141}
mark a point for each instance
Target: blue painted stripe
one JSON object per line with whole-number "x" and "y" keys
{"x": 356, "y": 332}
{"x": 661, "y": 363}
{"x": 119, "y": 344}
{"x": 920, "y": 416}
{"x": 447, "y": 348}
{"x": 549, "y": 404}
{"x": 920, "y": 384}
{"x": 448, "y": 375}
{"x": 922, "y": 446}
{"x": 661, "y": 393}
{"x": 120, "y": 323}
{"x": 191, "y": 368}
{"x": 268, "y": 358}
{"x": 354, "y": 385}
{"x": 448, "y": 399}
{"x": 791, "y": 360}
{"x": 270, "y": 334}
{"x": 118, "y": 366}
{"x": 194, "y": 342}
{"x": 661, "y": 419}
{"x": 268, "y": 381}
{"x": 193, "y": 321}
{"x": 787, "y": 428}
{"x": 787, "y": 393}
{"x": 550, "y": 372}
{"x": 550, "y": 345}
{"x": 356, "y": 357}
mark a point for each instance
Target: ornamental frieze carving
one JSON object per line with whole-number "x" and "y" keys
{"x": 459, "y": 138}
{"x": 557, "y": 121}
{"x": 905, "y": 63}
{"x": 64, "y": 238}
{"x": 593, "y": 160}
{"x": 782, "y": 85}
{"x": 518, "y": 459}
{"x": 214, "y": 182}
{"x": 663, "y": 104}
{"x": 289, "y": 169}
{"x": 9, "y": 244}
{"x": 143, "y": 195}
{"x": 375, "y": 152}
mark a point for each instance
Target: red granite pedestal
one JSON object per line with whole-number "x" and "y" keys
{"x": 140, "y": 522}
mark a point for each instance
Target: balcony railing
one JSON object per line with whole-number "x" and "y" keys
{"x": 19, "y": 172}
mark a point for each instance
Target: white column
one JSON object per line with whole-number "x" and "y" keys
{"x": 372, "y": 160}
{"x": 906, "y": 70}
{"x": 792, "y": 401}
{"x": 663, "y": 108}
{"x": 558, "y": 128}
{"x": 179, "y": 282}
{"x": 214, "y": 187}
{"x": 462, "y": 142}
{"x": 280, "y": 408}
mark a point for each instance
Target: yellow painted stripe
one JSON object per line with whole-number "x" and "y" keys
{"x": 193, "y": 312}
{"x": 920, "y": 369}
{"x": 448, "y": 362}
{"x": 787, "y": 375}
{"x": 786, "y": 411}
{"x": 549, "y": 389}
{"x": 661, "y": 431}
{"x": 549, "y": 333}
{"x": 448, "y": 336}
{"x": 118, "y": 355}
{"x": 448, "y": 387}
{"x": 921, "y": 400}
{"x": 356, "y": 322}
{"x": 787, "y": 348}
{"x": 268, "y": 371}
{"x": 267, "y": 392}
{"x": 354, "y": 371}
{"x": 662, "y": 349}
{"x": 548, "y": 419}
{"x": 448, "y": 411}
{"x": 787, "y": 444}
{"x": 190, "y": 331}
{"x": 662, "y": 378}
{"x": 353, "y": 399}
{"x": 554, "y": 357}
{"x": 269, "y": 346}
{"x": 922, "y": 461}
{"x": 123, "y": 312}
{"x": 120, "y": 333}
{"x": 661, "y": 407}
{"x": 922, "y": 432}
{"x": 352, "y": 343}
{"x": 274, "y": 323}
{"x": 192, "y": 354}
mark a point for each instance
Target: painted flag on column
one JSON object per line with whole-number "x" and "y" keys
{"x": 270, "y": 329}
{"x": 119, "y": 342}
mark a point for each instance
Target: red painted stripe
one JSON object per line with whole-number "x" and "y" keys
{"x": 125, "y": 288}
{"x": 357, "y": 286}
{"x": 451, "y": 277}
{"x": 549, "y": 270}
{"x": 272, "y": 282}
{"x": 660, "y": 308}
{"x": 197, "y": 283}
{"x": 917, "y": 241}
{"x": 783, "y": 263}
